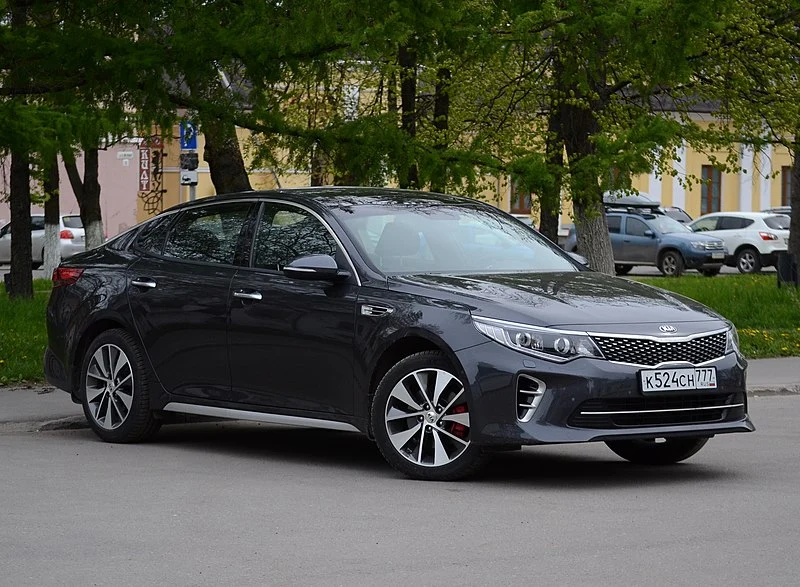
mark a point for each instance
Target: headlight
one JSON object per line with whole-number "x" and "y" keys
{"x": 699, "y": 245}
{"x": 547, "y": 343}
{"x": 732, "y": 343}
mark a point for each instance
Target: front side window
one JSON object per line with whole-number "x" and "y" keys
{"x": 286, "y": 232}
{"x": 705, "y": 224}
{"x": 635, "y": 227}
{"x": 209, "y": 234}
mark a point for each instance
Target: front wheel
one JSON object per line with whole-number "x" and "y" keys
{"x": 671, "y": 264}
{"x": 657, "y": 451}
{"x": 420, "y": 418}
{"x": 622, "y": 269}
{"x": 115, "y": 389}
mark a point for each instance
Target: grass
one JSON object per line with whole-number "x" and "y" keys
{"x": 23, "y": 336}
{"x": 767, "y": 318}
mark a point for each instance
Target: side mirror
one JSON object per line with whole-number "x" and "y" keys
{"x": 579, "y": 258}
{"x": 650, "y": 233}
{"x": 316, "y": 268}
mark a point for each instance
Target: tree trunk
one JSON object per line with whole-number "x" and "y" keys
{"x": 407, "y": 59}
{"x": 550, "y": 196}
{"x": 20, "y": 200}
{"x": 578, "y": 125}
{"x": 441, "y": 116}
{"x": 87, "y": 192}
{"x": 794, "y": 202}
{"x": 52, "y": 221}
{"x": 224, "y": 158}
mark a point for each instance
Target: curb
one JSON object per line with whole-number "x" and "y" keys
{"x": 767, "y": 391}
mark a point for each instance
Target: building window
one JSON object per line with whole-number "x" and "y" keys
{"x": 520, "y": 199}
{"x": 711, "y": 190}
{"x": 786, "y": 185}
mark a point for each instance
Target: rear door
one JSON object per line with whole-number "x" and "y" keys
{"x": 179, "y": 296}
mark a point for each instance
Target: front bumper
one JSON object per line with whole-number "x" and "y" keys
{"x": 582, "y": 385}
{"x": 697, "y": 259}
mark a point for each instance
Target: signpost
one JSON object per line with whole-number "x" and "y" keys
{"x": 188, "y": 157}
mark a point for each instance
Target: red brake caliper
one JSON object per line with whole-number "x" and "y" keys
{"x": 459, "y": 429}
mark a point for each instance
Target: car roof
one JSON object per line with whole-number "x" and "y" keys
{"x": 741, "y": 214}
{"x": 334, "y": 196}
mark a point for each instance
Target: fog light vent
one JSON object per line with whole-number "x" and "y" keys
{"x": 529, "y": 393}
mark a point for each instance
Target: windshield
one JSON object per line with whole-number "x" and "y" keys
{"x": 420, "y": 236}
{"x": 667, "y": 225}
{"x": 777, "y": 222}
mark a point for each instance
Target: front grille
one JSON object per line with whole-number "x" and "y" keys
{"x": 658, "y": 411}
{"x": 714, "y": 246}
{"x": 641, "y": 351}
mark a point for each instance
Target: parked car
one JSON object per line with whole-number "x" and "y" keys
{"x": 72, "y": 238}
{"x": 439, "y": 326}
{"x": 787, "y": 210}
{"x": 678, "y": 214}
{"x": 753, "y": 239}
{"x": 657, "y": 239}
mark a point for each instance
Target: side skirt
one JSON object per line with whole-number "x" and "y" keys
{"x": 230, "y": 414}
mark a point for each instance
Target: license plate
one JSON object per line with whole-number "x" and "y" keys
{"x": 717, "y": 255}
{"x": 678, "y": 379}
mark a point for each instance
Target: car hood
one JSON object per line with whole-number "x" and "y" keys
{"x": 583, "y": 299}
{"x": 691, "y": 237}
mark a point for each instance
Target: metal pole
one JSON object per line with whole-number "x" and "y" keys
{"x": 192, "y": 192}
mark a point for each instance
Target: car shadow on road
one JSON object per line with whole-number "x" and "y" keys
{"x": 533, "y": 466}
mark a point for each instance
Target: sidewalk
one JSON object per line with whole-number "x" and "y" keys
{"x": 40, "y": 406}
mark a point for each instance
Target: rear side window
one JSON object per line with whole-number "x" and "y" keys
{"x": 777, "y": 222}
{"x": 209, "y": 234}
{"x": 72, "y": 222}
{"x": 152, "y": 235}
{"x": 614, "y": 223}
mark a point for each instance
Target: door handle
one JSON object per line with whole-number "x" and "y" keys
{"x": 144, "y": 282}
{"x": 247, "y": 295}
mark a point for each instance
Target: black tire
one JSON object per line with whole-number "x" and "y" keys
{"x": 711, "y": 272}
{"x": 96, "y": 392}
{"x": 622, "y": 269}
{"x": 650, "y": 452}
{"x": 748, "y": 260}
{"x": 671, "y": 264}
{"x": 466, "y": 462}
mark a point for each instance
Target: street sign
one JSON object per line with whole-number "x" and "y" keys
{"x": 188, "y": 177}
{"x": 188, "y": 136}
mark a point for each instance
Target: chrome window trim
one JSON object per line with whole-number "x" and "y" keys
{"x": 232, "y": 414}
{"x": 669, "y": 364}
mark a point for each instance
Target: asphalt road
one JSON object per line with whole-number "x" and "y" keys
{"x": 246, "y": 504}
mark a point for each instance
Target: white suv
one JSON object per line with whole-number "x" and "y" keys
{"x": 72, "y": 238}
{"x": 753, "y": 239}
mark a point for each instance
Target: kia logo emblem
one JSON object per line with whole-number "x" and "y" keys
{"x": 666, "y": 328}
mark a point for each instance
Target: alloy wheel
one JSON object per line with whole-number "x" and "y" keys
{"x": 747, "y": 262}
{"x": 109, "y": 386}
{"x": 427, "y": 418}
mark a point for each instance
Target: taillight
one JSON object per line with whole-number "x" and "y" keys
{"x": 768, "y": 236}
{"x": 66, "y": 276}
{"x": 66, "y": 234}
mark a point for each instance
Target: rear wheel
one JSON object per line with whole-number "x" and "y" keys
{"x": 671, "y": 264}
{"x": 115, "y": 389}
{"x": 622, "y": 269}
{"x": 748, "y": 260}
{"x": 657, "y": 451}
{"x": 420, "y": 418}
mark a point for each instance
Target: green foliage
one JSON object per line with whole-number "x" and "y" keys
{"x": 767, "y": 318}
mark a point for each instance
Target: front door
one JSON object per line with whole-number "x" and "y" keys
{"x": 291, "y": 341}
{"x": 179, "y": 297}
{"x": 640, "y": 247}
